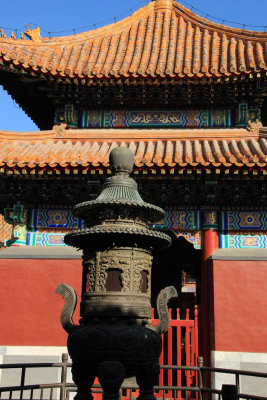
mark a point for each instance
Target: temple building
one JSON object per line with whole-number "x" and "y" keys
{"x": 188, "y": 97}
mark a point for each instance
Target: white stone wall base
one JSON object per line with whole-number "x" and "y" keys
{"x": 32, "y": 354}
{"x": 256, "y": 362}
{"x": 33, "y": 350}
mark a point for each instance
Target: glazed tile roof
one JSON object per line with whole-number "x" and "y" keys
{"x": 162, "y": 39}
{"x": 152, "y": 148}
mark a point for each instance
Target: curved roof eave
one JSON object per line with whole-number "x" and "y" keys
{"x": 205, "y": 148}
{"x": 162, "y": 39}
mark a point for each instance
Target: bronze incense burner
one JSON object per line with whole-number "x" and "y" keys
{"x": 114, "y": 339}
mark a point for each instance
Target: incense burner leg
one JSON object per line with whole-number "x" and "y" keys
{"x": 111, "y": 375}
{"x": 84, "y": 379}
{"x": 146, "y": 381}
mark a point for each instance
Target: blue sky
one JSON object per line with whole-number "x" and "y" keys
{"x": 58, "y": 15}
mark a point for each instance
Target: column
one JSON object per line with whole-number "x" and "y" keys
{"x": 210, "y": 243}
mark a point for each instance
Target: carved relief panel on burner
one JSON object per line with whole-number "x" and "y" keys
{"x": 126, "y": 271}
{"x": 142, "y": 274}
{"x": 114, "y": 273}
{"x": 89, "y": 274}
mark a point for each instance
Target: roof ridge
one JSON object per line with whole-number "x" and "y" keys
{"x": 163, "y": 5}
{"x": 205, "y": 23}
{"x": 154, "y": 6}
{"x": 80, "y": 37}
{"x": 107, "y": 134}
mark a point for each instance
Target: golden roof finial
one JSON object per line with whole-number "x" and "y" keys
{"x": 12, "y": 35}
{"x": 2, "y": 33}
{"x": 33, "y": 34}
{"x": 163, "y": 5}
{"x": 22, "y": 36}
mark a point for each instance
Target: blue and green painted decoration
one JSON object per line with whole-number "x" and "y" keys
{"x": 67, "y": 115}
{"x": 238, "y": 229}
{"x": 180, "y": 220}
{"x": 17, "y": 217}
{"x": 45, "y": 239}
{"x": 50, "y": 219}
{"x": 192, "y": 237}
{"x": 156, "y": 119}
{"x": 243, "y": 220}
{"x": 53, "y": 218}
{"x": 246, "y": 112}
{"x": 239, "y": 241}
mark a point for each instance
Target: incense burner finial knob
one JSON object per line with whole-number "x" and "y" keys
{"x": 121, "y": 159}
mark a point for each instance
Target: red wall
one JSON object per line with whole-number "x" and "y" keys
{"x": 30, "y": 308}
{"x": 239, "y": 320}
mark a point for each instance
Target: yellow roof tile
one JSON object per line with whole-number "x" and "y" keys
{"x": 152, "y": 148}
{"x": 162, "y": 39}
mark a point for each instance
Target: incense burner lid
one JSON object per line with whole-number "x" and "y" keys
{"x": 97, "y": 209}
{"x": 117, "y": 235}
{"x": 119, "y": 198}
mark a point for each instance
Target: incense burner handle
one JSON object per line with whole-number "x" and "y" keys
{"x": 164, "y": 296}
{"x": 70, "y": 297}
